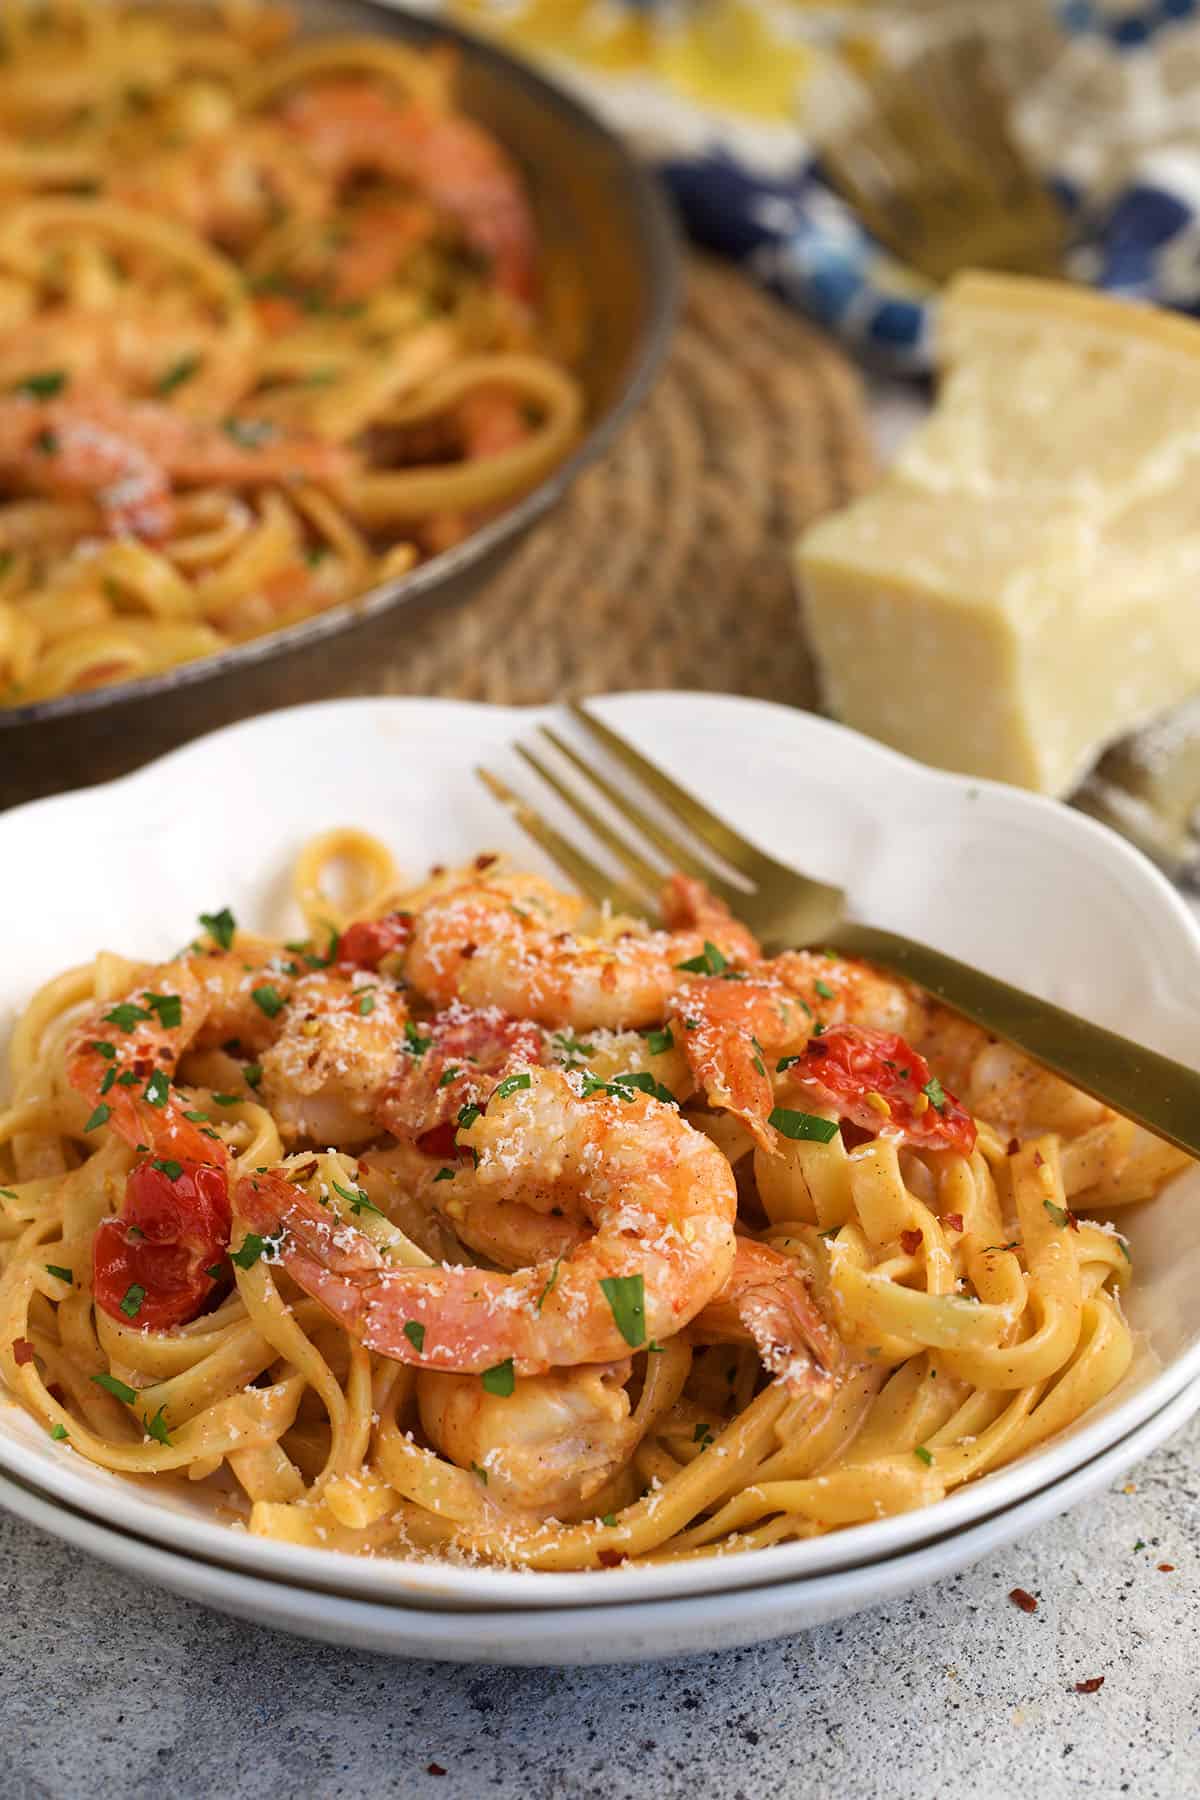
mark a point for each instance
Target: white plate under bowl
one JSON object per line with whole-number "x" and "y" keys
{"x": 1017, "y": 885}
{"x": 579, "y": 1636}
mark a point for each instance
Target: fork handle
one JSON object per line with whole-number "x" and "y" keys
{"x": 1153, "y": 1090}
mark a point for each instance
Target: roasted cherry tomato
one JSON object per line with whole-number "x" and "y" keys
{"x": 173, "y": 1231}
{"x": 364, "y": 945}
{"x": 878, "y": 1082}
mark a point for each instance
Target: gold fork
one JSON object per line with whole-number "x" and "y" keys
{"x": 789, "y": 910}
{"x": 925, "y": 154}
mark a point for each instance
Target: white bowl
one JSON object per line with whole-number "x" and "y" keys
{"x": 579, "y": 1636}
{"x": 1016, "y": 884}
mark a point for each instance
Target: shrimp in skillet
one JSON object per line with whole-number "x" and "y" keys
{"x": 659, "y": 1197}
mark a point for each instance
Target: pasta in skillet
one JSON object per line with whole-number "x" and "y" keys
{"x": 475, "y": 1225}
{"x": 272, "y": 329}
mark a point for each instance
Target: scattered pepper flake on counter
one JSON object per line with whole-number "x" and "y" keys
{"x": 1022, "y": 1598}
{"x": 1091, "y": 1686}
{"x": 434, "y": 1769}
{"x": 1165, "y": 1568}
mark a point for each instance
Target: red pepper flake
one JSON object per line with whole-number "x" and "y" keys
{"x": 434, "y": 1769}
{"x": 952, "y": 1221}
{"x": 22, "y": 1351}
{"x": 1038, "y": 1159}
{"x": 911, "y": 1241}
{"x": 486, "y": 860}
{"x": 468, "y": 951}
{"x": 1166, "y": 1568}
{"x": 611, "y": 1559}
{"x": 1024, "y": 1600}
{"x": 1072, "y": 1221}
{"x": 1091, "y": 1686}
{"x": 1014, "y": 1144}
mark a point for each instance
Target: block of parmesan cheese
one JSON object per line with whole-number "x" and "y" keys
{"x": 1024, "y": 584}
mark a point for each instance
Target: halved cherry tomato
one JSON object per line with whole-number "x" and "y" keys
{"x": 365, "y": 944}
{"x": 880, "y": 1083}
{"x": 173, "y": 1228}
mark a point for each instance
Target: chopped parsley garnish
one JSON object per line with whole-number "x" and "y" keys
{"x": 467, "y": 1116}
{"x": 169, "y": 1167}
{"x": 215, "y": 1271}
{"x": 499, "y": 1379}
{"x": 157, "y": 1088}
{"x": 549, "y": 1287}
{"x": 126, "y": 1016}
{"x": 220, "y": 926}
{"x": 366, "y": 1005}
{"x": 703, "y": 1435}
{"x": 251, "y": 1075}
{"x": 449, "y": 1075}
{"x": 58, "y": 1433}
{"x": 226, "y": 1100}
{"x": 109, "y": 1078}
{"x": 105, "y": 1050}
{"x": 623, "y": 1087}
{"x": 608, "y": 1519}
{"x": 249, "y": 434}
{"x": 47, "y": 442}
{"x": 414, "y": 1331}
{"x": 511, "y": 1084}
{"x": 268, "y": 999}
{"x": 157, "y": 1427}
{"x": 120, "y": 1390}
{"x": 357, "y": 1199}
{"x": 785, "y": 1062}
{"x": 251, "y": 1248}
{"x": 178, "y": 373}
{"x": 169, "y": 1008}
{"x": 934, "y": 1092}
{"x": 7, "y": 1194}
{"x": 823, "y": 989}
{"x": 42, "y": 386}
{"x": 415, "y": 1043}
{"x": 129, "y": 1079}
{"x": 757, "y": 1063}
{"x": 1141, "y": 1544}
{"x": 444, "y": 1175}
{"x": 1122, "y": 1244}
{"x": 654, "y": 1349}
{"x": 802, "y": 1126}
{"x": 1058, "y": 1213}
{"x": 709, "y": 962}
{"x": 196, "y": 1118}
{"x": 573, "y": 1046}
{"x": 101, "y": 1116}
{"x": 131, "y": 1303}
{"x": 924, "y": 1455}
{"x": 67, "y": 1275}
{"x": 482, "y": 1473}
{"x": 626, "y": 1296}
{"x": 659, "y": 1042}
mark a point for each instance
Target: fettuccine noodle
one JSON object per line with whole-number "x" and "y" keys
{"x": 472, "y": 1225}
{"x": 271, "y": 331}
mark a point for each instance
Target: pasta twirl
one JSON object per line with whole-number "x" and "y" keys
{"x": 471, "y": 1225}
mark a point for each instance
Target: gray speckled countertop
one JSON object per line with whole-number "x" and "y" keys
{"x": 112, "y": 1688}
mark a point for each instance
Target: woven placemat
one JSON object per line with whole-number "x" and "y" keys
{"x": 669, "y": 563}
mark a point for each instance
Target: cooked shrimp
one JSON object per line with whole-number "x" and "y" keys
{"x": 123, "y": 1057}
{"x": 548, "y": 1446}
{"x": 479, "y": 944}
{"x": 660, "y": 1197}
{"x": 767, "y": 1300}
{"x": 454, "y": 1060}
{"x": 333, "y": 1058}
{"x": 128, "y": 454}
{"x": 350, "y": 127}
{"x": 734, "y": 1033}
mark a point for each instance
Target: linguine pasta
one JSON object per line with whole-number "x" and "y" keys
{"x": 271, "y": 331}
{"x": 474, "y": 1225}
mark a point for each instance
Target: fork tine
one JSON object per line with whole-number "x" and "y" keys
{"x": 644, "y": 874}
{"x": 707, "y": 826}
{"x": 588, "y": 877}
{"x": 677, "y": 854}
